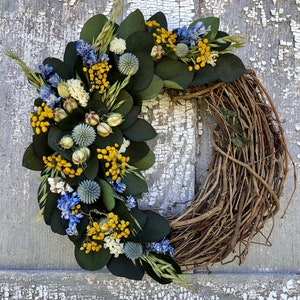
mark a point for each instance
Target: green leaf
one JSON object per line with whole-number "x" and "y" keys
{"x": 229, "y": 67}
{"x": 144, "y": 76}
{"x": 124, "y": 267}
{"x": 140, "y": 41}
{"x": 205, "y": 75}
{"x": 31, "y": 161}
{"x": 136, "y": 151}
{"x": 59, "y": 67}
{"x": 134, "y": 22}
{"x": 54, "y": 137}
{"x": 134, "y": 185}
{"x": 58, "y": 225}
{"x": 115, "y": 137}
{"x": 107, "y": 194}
{"x": 175, "y": 71}
{"x": 214, "y": 24}
{"x": 74, "y": 118}
{"x": 40, "y": 145}
{"x": 140, "y": 131}
{"x": 96, "y": 104}
{"x": 152, "y": 90}
{"x": 92, "y": 28}
{"x": 92, "y": 165}
{"x": 70, "y": 57}
{"x": 125, "y": 102}
{"x": 146, "y": 162}
{"x": 221, "y": 46}
{"x": 160, "y": 18}
{"x": 155, "y": 229}
{"x": 141, "y": 219}
{"x": 92, "y": 261}
{"x": 50, "y": 206}
{"x": 131, "y": 117}
{"x": 172, "y": 85}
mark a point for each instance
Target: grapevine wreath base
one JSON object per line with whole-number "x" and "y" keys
{"x": 246, "y": 175}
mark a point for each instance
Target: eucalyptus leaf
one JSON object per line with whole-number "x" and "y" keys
{"x": 124, "y": 102}
{"x": 59, "y": 67}
{"x": 160, "y": 18}
{"x": 124, "y": 267}
{"x": 107, "y": 195}
{"x": 134, "y": 184}
{"x": 136, "y": 151}
{"x": 57, "y": 224}
{"x": 50, "y": 206}
{"x": 229, "y": 67}
{"x": 93, "y": 260}
{"x": 115, "y": 137}
{"x": 92, "y": 165}
{"x": 70, "y": 58}
{"x": 155, "y": 229}
{"x": 75, "y": 117}
{"x": 31, "y": 160}
{"x": 146, "y": 162}
{"x": 54, "y": 137}
{"x": 40, "y": 145}
{"x": 152, "y": 90}
{"x": 140, "y": 41}
{"x": 92, "y": 28}
{"x": 140, "y": 131}
{"x": 134, "y": 22}
{"x": 131, "y": 117}
{"x": 175, "y": 71}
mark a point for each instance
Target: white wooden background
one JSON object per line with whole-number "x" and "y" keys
{"x": 37, "y": 264}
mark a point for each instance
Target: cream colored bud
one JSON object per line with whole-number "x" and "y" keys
{"x": 63, "y": 90}
{"x": 80, "y": 155}
{"x": 59, "y": 114}
{"x": 104, "y": 129}
{"x": 70, "y": 104}
{"x": 92, "y": 118}
{"x": 66, "y": 142}
{"x": 157, "y": 51}
{"x": 114, "y": 119}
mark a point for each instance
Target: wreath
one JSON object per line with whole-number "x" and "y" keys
{"x": 90, "y": 145}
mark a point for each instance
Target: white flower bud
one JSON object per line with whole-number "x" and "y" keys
{"x": 80, "y": 155}
{"x": 63, "y": 90}
{"x": 70, "y": 104}
{"x": 114, "y": 119}
{"x": 59, "y": 114}
{"x": 104, "y": 129}
{"x": 92, "y": 118}
{"x": 66, "y": 142}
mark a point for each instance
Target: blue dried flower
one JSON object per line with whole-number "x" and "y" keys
{"x": 128, "y": 64}
{"x": 65, "y": 205}
{"x": 130, "y": 202}
{"x": 54, "y": 80}
{"x": 45, "y": 70}
{"x": 83, "y": 135}
{"x": 88, "y": 191}
{"x": 87, "y": 52}
{"x": 162, "y": 247}
{"x": 133, "y": 250}
{"x": 191, "y": 36}
{"x": 47, "y": 96}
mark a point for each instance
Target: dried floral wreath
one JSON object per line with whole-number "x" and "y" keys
{"x": 89, "y": 144}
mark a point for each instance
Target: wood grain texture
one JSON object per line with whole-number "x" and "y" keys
{"x": 37, "y": 29}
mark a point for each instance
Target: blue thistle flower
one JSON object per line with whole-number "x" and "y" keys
{"x": 133, "y": 250}
{"x": 88, "y": 191}
{"x": 128, "y": 64}
{"x": 84, "y": 135}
